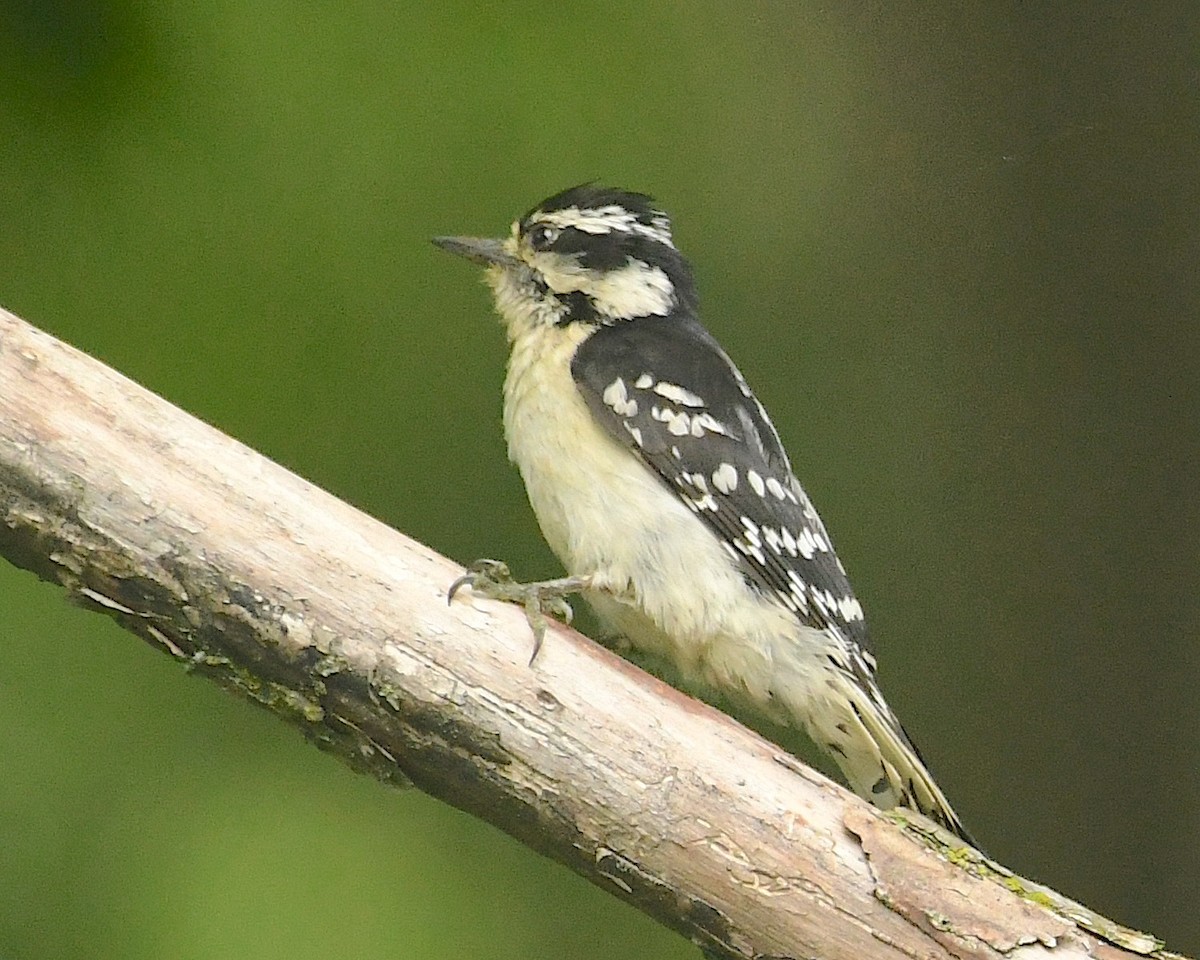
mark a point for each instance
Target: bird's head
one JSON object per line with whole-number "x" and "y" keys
{"x": 594, "y": 255}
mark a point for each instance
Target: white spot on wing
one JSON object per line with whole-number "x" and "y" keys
{"x": 750, "y": 550}
{"x": 725, "y": 478}
{"x": 805, "y": 544}
{"x": 775, "y": 487}
{"x": 677, "y": 394}
{"x": 614, "y": 393}
{"x": 850, "y": 608}
{"x": 643, "y": 381}
{"x": 705, "y": 421}
{"x": 616, "y": 397}
{"x": 756, "y": 482}
{"x": 677, "y": 424}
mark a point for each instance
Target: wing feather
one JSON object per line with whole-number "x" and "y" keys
{"x": 664, "y": 388}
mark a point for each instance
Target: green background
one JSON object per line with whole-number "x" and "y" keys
{"x": 954, "y": 246}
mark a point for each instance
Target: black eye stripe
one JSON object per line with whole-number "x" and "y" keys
{"x": 597, "y": 251}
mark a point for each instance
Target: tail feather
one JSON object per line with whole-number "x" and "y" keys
{"x": 877, "y": 757}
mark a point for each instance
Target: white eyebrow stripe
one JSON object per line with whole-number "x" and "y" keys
{"x": 598, "y": 220}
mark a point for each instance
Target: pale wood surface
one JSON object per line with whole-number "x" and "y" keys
{"x": 275, "y": 589}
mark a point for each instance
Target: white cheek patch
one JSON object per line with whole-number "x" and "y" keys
{"x": 634, "y": 290}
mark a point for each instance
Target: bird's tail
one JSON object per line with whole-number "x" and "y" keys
{"x": 878, "y": 759}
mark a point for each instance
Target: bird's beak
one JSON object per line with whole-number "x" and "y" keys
{"x": 478, "y": 250}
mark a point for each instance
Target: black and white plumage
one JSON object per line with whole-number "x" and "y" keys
{"x": 659, "y": 481}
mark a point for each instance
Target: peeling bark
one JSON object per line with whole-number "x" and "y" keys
{"x": 254, "y": 578}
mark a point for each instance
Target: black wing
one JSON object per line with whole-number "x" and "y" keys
{"x": 664, "y": 387}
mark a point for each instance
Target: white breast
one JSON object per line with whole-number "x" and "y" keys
{"x": 666, "y": 582}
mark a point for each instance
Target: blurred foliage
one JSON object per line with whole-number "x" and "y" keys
{"x": 954, "y": 247}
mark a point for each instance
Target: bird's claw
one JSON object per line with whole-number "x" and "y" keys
{"x": 483, "y": 577}
{"x": 493, "y": 579}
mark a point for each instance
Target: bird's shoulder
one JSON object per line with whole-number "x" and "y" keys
{"x": 664, "y": 388}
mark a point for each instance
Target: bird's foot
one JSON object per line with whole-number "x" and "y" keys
{"x": 492, "y": 579}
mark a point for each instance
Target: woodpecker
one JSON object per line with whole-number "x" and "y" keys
{"x": 659, "y": 481}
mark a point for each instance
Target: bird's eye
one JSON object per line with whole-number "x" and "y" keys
{"x": 542, "y": 236}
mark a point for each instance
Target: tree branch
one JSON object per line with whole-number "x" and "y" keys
{"x": 258, "y": 580}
